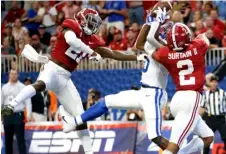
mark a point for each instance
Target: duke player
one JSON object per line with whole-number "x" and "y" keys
{"x": 76, "y": 42}
{"x": 150, "y": 97}
{"x": 184, "y": 58}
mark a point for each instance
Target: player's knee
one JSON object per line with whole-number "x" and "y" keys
{"x": 39, "y": 86}
{"x": 207, "y": 141}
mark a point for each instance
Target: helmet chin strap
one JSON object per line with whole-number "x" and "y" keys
{"x": 177, "y": 49}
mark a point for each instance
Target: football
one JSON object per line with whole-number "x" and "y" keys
{"x": 165, "y": 4}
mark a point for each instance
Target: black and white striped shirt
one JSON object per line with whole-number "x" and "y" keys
{"x": 215, "y": 102}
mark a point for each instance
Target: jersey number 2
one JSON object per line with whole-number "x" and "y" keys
{"x": 183, "y": 73}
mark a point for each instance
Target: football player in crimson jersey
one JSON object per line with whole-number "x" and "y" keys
{"x": 76, "y": 42}
{"x": 184, "y": 58}
{"x": 150, "y": 97}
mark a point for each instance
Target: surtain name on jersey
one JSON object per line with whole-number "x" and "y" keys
{"x": 187, "y": 54}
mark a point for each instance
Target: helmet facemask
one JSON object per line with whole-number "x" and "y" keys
{"x": 91, "y": 24}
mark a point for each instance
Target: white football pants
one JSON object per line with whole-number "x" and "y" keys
{"x": 149, "y": 99}
{"x": 58, "y": 80}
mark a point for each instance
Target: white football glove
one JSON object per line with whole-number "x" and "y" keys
{"x": 149, "y": 19}
{"x": 161, "y": 15}
{"x": 142, "y": 57}
{"x": 96, "y": 58}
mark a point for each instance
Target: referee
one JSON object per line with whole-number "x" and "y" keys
{"x": 14, "y": 124}
{"x": 214, "y": 107}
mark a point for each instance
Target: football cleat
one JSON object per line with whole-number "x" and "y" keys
{"x": 68, "y": 120}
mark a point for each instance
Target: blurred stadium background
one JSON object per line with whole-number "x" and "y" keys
{"x": 39, "y": 23}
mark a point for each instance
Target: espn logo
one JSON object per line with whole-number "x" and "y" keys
{"x": 60, "y": 142}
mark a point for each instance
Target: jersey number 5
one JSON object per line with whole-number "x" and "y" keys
{"x": 183, "y": 73}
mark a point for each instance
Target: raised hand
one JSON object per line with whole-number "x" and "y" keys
{"x": 161, "y": 15}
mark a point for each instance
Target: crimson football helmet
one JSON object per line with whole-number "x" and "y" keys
{"x": 179, "y": 37}
{"x": 89, "y": 20}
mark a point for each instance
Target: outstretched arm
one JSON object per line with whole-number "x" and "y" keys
{"x": 141, "y": 39}
{"x": 76, "y": 43}
{"x": 153, "y": 34}
{"x": 149, "y": 33}
{"x": 114, "y": 54}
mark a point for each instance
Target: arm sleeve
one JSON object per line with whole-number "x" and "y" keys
{"x": 27, "y": 104}
{"x": 76, "y": 43}
{"x": 28, "y": 108}
{"x": 151, "y": 38}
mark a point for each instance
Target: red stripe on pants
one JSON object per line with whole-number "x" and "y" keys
{"x": 191, "y": 120}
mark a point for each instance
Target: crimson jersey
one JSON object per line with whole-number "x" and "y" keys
{"x": 65, "y": 54}
{"x": 187, "y": 68}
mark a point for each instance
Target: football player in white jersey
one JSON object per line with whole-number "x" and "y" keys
{"x": 150, "y": 97}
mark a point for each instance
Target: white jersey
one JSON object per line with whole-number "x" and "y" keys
{"x": 151, "y": 99}
{"x": 155, "y": 74}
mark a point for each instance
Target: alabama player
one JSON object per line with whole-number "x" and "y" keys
{"x": 184, "y": 58}
{"x": 76, "y": 42}
{"x": 150, "y": 97}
